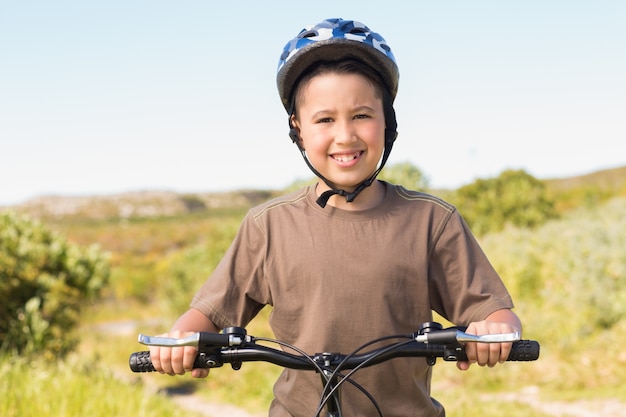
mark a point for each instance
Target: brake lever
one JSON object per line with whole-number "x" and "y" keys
{"x": 463, "y": 337}
{"x": 192, "y": 340}
{"x": 448, "y": 336}
{"x": 234, "y": 336}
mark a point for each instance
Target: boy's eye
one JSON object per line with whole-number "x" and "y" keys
{"x": 325, "y": 120}
{"x": 361, "y": 116}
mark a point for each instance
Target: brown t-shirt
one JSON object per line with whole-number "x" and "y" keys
{"x": 337, "y": 279}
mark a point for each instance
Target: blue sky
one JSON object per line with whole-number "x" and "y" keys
{"x": 105, "y": 97}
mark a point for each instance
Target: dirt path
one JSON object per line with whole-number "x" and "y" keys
{"x": 199, "y": 405}
{"x": 529, "y": 396}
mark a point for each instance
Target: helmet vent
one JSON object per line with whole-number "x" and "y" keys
{"x": 309, "y": 34}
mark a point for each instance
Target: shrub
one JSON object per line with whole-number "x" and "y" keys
{"x": 569, "y": 273}
{"x": 44, "y": 281}
{"x": 514, "y": 198}
{"x": 406, "y": 174}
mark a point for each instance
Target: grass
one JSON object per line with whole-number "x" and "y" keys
{"x": 75, "y": 388}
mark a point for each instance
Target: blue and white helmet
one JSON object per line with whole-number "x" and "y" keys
{"x": 335, "y": 39}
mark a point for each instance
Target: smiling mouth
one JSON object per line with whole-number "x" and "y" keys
{"x": 346, "y": 158}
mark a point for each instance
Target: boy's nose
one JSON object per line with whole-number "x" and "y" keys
{"x": 345, "y": 133}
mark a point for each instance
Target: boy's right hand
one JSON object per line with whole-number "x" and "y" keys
{"x": 177, "y": 360}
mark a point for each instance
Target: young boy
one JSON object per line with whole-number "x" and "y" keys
{"x": 351, "y": 258}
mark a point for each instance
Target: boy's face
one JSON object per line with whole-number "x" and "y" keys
{"x": 341, "y": 125}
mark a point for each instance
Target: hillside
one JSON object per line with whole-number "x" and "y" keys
{"x": 608, "y": 182}
{"x": 139, "y": 204}
{"x": 587, "y": 190}
{"x": 608, "y": 179}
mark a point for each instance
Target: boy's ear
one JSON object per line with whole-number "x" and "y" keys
{"x": 294, "y": 131}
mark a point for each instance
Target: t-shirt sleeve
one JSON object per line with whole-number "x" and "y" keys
{"x": 463, "y": 285}
{"x": 236, "y": 290}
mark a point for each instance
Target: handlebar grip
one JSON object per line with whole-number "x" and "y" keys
{"x": 142, "y": 362}
{"x": 521, "y": 351}
{"x": 524, "y": 350}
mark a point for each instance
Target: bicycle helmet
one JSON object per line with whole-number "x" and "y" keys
{"x": 333, "y": 40}
{"x": 336, "y": 40}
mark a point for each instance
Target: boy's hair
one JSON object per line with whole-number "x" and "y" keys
{"x": 346, "y": 66}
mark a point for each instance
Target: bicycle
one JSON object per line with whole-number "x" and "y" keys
{"x": 234, "y": 346}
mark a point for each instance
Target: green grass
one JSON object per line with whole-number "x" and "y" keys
{"x": 74, "y": 388}
{"x": 465, "y": 401}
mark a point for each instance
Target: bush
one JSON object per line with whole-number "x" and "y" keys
{"x": 44, "y": 281}
{"x": 406, "y": 174}
{"x": 568, "y": 274}
{"x": 514, "y": 198}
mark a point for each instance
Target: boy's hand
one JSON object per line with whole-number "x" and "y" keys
{"x": 177, "y": 360}
{"x": 488, "y": 354}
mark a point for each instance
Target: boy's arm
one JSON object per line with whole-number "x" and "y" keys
{"x": 178, "y": 360}
{"x": 500, "y": 321}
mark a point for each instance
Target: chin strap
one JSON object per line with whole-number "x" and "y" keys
{"x": 322, "y": 200}
{"x": 390, "y": 136}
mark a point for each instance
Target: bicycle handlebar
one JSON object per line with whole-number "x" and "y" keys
{"x": 234, "y": 346}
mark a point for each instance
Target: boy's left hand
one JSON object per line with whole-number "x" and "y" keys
{"x": 486, "y": 354}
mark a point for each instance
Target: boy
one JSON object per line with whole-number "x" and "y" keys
{"x": 351, "y": 258}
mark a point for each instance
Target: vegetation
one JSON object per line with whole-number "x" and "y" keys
{"x": 44, "y": 282}
{"x": 588, "y": 190}
{"x": 72, "y": 388}
{"x": 576, "y": 261}
{"x": 406, "y": 174}
{"x": 567, "y": 279}
{"x": 565, "y": 271}
{"x": 514, "y": 197}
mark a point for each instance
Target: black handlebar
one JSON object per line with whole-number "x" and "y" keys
{"x": 522, "y": 350}
{"x": 234, "y": 346}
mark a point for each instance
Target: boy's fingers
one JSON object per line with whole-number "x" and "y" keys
{"x": 463, "y": 365}
{"x": 488, "y": 354}
{"x": 156, "y": 358}
{"x": 505, "y": 351}
{"x": 189, "y": 357}
{"x": 176, "y": 360}
{"x": 164, "y": 358}
{"x": 200, "y": 373}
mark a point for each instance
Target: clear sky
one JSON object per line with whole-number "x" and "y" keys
{"x": 113, "y": 96}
